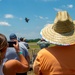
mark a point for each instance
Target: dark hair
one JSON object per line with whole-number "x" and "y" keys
{"x": 21, "y": 39}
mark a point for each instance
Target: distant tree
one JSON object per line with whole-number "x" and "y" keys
{"x": 33, "y": 40}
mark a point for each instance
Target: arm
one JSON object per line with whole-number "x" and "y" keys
{"x": 28, "y": 58}
{"x": 25, "y": 52}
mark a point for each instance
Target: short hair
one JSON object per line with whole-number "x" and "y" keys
{"x": 21, "y": 39}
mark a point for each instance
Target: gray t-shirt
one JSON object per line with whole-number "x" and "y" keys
{"x": 26, "y": 44}
{"x": 11, "y": 53}
{"x": 1, "y": 69}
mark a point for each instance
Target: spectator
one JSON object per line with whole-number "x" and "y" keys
{"x": 22, "y": 40}
{"x": 11, "y": 53}
{"x": 43, "y": 43}
{"x": 10, "y": 67}
{"x": 60, "y": 59}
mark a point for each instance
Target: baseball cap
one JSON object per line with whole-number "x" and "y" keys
{"x": 13, "y": 36}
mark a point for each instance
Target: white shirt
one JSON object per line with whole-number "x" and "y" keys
{"x": 1, "y": 66}
{"x": 1, "y": 69}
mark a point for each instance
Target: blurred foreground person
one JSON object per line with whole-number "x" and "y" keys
{"x": 59, "y": 59}
{"x": 11, "y": 53}
{"x": 11, "y": 67}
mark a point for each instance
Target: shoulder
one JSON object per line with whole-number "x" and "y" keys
{"x": 45, "y": 52}
{"x": 21, "y": 44}
{"x": 11, "y": 63}
{"x": 42, "y": 52}
{"x": 10, "y": 66}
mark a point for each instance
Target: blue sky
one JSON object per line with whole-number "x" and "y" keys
{"x": 40, "y": 13}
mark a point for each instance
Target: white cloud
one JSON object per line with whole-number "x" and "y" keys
{"x": 70, "y": 6}
{"x": 4, "y": 24}
{"x": 41, "y": 17}
{"x": 9, "y": 16}
{"x": 57, "y": 9}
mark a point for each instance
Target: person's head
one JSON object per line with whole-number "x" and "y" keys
{"x": 42, "y": 39}
{"x": 21, "y": 39}
{"x": 3, "y": 46}
{"x": 62, "y": 31}
{"x": 13, "y": 36}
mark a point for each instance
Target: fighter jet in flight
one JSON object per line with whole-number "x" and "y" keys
{"x": 26, "y": 19}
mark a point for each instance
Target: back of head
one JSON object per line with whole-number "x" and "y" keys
{"x": 21, "y": 39}
{"x": 3, "y": 41}
{"x": 12, "y": 36}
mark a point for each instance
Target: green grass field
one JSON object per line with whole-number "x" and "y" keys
{"x": 34, "y": 48}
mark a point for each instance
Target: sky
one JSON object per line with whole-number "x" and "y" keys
{"x": 40, "y": 13}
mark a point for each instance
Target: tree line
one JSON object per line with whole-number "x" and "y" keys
{"x": 32, "y": 40}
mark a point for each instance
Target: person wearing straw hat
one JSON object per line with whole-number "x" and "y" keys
{"x": 59, "y": 59}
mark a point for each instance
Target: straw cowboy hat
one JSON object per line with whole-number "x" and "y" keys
{"x": 62, "y": 32}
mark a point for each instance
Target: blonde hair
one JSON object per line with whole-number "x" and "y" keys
{"x": 3, "y": 43}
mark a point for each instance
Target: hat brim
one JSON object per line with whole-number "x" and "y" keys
{"x": 55, "y": 38}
